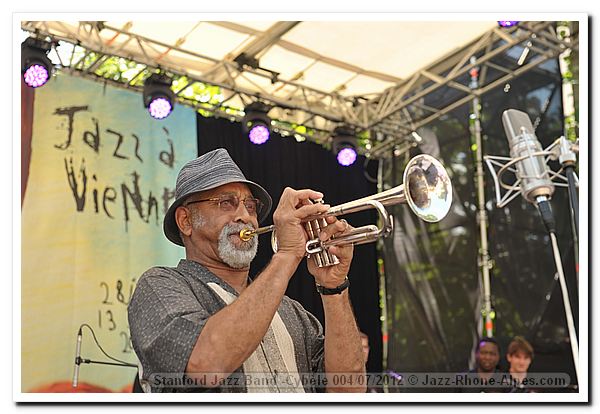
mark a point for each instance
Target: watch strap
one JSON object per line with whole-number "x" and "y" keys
{"x": 333, "y": 291}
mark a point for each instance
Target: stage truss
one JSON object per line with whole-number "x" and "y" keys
{"x": 387, "y": 119}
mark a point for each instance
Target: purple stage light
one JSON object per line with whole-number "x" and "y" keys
{"x": 507, "y": 23}
{"x": 259, "y": 134}
{"x": 36, "y": 76}
{"x": 346, "y": 157}
{"x": 160, "y": 108}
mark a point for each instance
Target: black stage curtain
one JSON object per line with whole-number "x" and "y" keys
{"x": 283, "y": 162}
{"x": 434, "y": 296}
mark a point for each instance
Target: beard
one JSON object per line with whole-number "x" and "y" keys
{"x": 236, "y": 256}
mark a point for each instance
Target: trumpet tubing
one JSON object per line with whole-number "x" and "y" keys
{"x": 426, "y": 188}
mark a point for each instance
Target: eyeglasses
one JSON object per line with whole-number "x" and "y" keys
{"x": 230, "y": 202}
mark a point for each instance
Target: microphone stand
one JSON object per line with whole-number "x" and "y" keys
{"x": 483, "y": 260}
{"x": 564, "y": 151}
{"x": 567, "y": 305}
{"x": 79, "y": 360}
{"x": 90, "y": 361}
{"x": 567, "y": 158}
{"x": 570, "y": 171}
{"x": 543, "y": 205}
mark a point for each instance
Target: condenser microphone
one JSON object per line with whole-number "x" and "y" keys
{"x": 77, "y": 359}
{"x": 536, "y": 186}
{"x": 532, "y": 170}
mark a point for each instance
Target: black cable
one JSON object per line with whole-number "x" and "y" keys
{"x": 273, "y": 374}
{"x": 91, "y": 361}
{"x": 545, "y": 209}
{"x": 100, "y": 347}
{"x": 570, "y": 171}
{"x": 547, "y": 216}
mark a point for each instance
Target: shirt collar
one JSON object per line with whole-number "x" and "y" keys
{"x": 197, "y": 271}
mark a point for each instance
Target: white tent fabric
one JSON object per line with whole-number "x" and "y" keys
{"x": 351, "y": 58}
{"x": 315, "y": 75}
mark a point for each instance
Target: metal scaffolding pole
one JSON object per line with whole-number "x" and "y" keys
{"x": 320, "y": 111}
{"x": 382, "y": 284}
{"x": 483, "y": 260}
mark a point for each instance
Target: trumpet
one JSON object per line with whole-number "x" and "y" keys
{"x": 426, "y": 188}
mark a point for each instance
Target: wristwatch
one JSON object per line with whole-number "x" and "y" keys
{"x": 333, "y": 291}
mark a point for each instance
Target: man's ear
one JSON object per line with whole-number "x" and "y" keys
{"x": 184, "y": 220}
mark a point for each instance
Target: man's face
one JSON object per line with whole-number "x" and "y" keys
{"x": 216, "y": 225}
{"x": 519, "y": 362}
{"x": 488, "y": 356}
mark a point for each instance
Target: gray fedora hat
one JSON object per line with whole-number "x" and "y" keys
{"x": 208, "y": 171}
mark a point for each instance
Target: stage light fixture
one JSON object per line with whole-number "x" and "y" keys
{"x": 36, "y": 67}
{"x": 507, "y": 23}
{"x": 159, "y": 99}
{"x": 344, "y": 145}
{"x": 256, "y": 123}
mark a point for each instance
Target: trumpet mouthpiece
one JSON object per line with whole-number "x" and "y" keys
{"x": 246, "y": 234}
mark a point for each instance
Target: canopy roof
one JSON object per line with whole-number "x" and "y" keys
{"x": 319, "y": 74}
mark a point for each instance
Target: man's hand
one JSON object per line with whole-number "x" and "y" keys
{"x": 333, "y": 276}
{"x": 293, "y": 207}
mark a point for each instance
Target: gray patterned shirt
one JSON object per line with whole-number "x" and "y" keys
{"x": 169, "y": 308}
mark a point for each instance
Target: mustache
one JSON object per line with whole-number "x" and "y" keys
{"x": 233, "y": 228}
{"x": 236, "y": 255}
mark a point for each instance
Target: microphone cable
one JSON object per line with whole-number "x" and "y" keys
{"x": 545, "y": 210}
{"x": 102, "y": 350}
{"x": 567, "y": 304}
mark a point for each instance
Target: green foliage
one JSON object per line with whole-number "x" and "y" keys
{"x": 120, "y": 70}
{"x": 363, "y": 139}
{"x": 207, "y": 99}
{"x": 422, "y": 271}
{"x": 571, "y": 76}
{"x": 571, "y": 128}
{"x": 198, "y": 91}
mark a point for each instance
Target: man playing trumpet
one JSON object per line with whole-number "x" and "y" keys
{"x": 206, "y": 326}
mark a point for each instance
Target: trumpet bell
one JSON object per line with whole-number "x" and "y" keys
{"x": 427, "y": 188}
